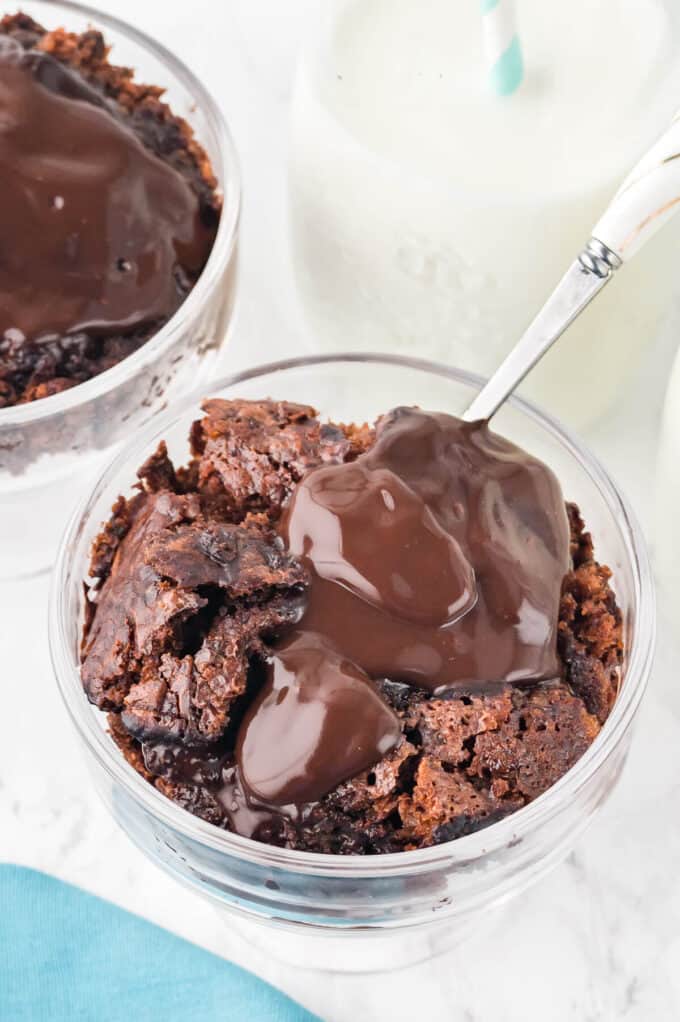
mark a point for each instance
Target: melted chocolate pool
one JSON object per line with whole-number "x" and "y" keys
{"x": 436, "y": 559}
{"x": 94, "y": 225}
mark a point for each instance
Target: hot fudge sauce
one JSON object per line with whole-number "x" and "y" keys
{"x": 104, "y": 229}
{"x": 437, "y": 557}
{"x": 317, "y": 722}
{"x": 93, "y": 223}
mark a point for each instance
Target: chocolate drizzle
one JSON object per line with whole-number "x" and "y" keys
{"x": 95, "y": 227}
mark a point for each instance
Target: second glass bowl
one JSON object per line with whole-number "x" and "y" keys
{"x": 51, "y": 448}
{"x": 352, "y": 912}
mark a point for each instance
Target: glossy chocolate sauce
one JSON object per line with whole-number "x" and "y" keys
{"x": 436, "y": 559}
{"x": 318, "y": 721}
{"x": 94, "y": 225}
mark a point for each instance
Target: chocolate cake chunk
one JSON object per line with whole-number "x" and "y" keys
{"x": 255, "y": 452}
{"x": 95, "y": 254}
{"x": 590, "y": 630}
{"x": 169, "y": 641}
{"x": 208, "y": 638}
{"x": 547, "y": 731}
{"x": 191, "y": 697}
{"x": 445, "y": 804}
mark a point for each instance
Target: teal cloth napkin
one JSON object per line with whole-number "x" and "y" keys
{"x": 67, "y": 956}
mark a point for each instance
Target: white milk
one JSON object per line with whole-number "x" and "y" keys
{"x": 432, "y": 218}
{"x": 666, "y": 537}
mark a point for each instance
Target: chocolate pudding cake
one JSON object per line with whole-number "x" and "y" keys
{"x": 109, "y": 210}
{"x": 349, "y": 639}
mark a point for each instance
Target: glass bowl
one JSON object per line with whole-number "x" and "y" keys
{"x": 354, "y": 912}
{"x": 50, "y": 449}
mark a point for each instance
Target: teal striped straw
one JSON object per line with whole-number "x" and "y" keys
{"x": 501, "y": 43}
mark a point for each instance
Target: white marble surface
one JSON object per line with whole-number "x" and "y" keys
{"x": 597, "y": 940}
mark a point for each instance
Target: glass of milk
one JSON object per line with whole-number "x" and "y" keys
{"x": 433, "y": 218}
{"x": 666, "y": 532}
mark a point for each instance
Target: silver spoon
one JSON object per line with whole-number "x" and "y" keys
{"x": 646, "y": 200}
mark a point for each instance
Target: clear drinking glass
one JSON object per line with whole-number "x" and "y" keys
{"x": 50, "y": 449}
{"x": 353, "y": 912}
{"x": 428, "y": 216}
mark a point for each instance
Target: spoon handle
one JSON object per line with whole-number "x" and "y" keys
{"x": 646, "y": 200}
{"x": 577, "y": 288}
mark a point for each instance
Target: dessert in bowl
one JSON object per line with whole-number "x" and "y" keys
{"x": 118, "y": 264}
{"x": 364, "y": 680}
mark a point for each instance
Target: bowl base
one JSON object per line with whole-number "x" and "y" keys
{"x": 369, "y": 950}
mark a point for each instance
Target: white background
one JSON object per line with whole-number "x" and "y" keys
{"x": 597, "y": 940}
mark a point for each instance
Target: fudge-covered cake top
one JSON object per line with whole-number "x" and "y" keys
{"x": 349, "y": 639}
{"x": 108, "y": 209}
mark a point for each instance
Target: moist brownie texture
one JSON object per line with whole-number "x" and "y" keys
{"x": 42, "y": 352}
{"x": 191, "y": 589}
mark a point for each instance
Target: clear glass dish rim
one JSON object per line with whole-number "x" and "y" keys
{"x": 464, "y": 849}
{"x": 34, "y": 411}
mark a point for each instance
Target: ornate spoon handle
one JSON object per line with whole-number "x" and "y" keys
{"x": 646, "y": 200}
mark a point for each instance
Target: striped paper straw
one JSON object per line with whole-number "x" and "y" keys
{"x": 501, "y": 45}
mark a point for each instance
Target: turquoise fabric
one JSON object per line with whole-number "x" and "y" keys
{"x": 67, "y": 956}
